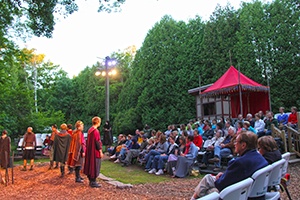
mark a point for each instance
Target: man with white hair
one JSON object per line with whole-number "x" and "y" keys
{"x": 250, "y": 119}
{"x": 224, "y": 149}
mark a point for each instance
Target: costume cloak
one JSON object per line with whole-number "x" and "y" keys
{"x": 93, "y": 145}
{"x": 77, "y": 147}
{"x": 61, "y": 147}
{"x": 5, "y": 152}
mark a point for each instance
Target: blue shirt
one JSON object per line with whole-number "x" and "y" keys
{"x": 283, "y": 118}
{"x": 200, "y": 131}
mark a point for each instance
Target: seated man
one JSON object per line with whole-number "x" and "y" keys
{"x": 133, "y": 153}
{"x": 215, "y": 141}
{"x": 224, "y": 149}
{"x": 268, "y": 123}
{"x": 242, "y": 167}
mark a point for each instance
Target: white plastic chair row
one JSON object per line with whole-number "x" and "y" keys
{"x": 257, "y": 185}
{"x": 237, "y": 191}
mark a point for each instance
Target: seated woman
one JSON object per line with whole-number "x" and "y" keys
{"x": 198, "y": 141}
{"x": 248, "y": 127}
{"x": 267, "y": 147}
{"x": 114, "y": 151}
{"x": 160, "y": 160}
{"x": 215, "y": 141}
{"x": 172, "y": 159}
{"x": 161, "y": 148}
{"x": 186, "y": 159}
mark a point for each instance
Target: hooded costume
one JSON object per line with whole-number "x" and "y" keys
{"x": 4, "y": 152}
{"x": 61, "y": 146}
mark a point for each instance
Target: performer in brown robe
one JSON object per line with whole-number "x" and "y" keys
{"x": 4, "y": 153}
{"x": 29, "y": 144}
{"x": 61, "y": 148}
{"x": 93, "y": 153}
{"x": 77, "y": 151}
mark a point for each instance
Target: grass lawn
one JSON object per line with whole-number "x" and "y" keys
{"x": 133, "y": 174}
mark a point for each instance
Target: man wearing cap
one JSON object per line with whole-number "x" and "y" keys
{"x": 133, "y": 153}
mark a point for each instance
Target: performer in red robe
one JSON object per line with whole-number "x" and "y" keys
{"x": 93, "y": 153}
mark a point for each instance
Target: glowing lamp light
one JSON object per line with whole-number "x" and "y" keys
{"x": 113, "y": 72}
{"x": 103, "y": 73}
{"x": 97, "y": 73}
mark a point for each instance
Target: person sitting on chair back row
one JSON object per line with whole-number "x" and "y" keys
{"x": 240, "y": 168}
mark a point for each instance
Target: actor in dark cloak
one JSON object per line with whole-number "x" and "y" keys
{"x": 107, "y": 137}
{"x": 93, "y": 153}
{"x": 61, "y": 148}
{"x": 4, "y": 153}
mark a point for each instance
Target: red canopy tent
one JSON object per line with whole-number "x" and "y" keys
{"x": 254, "y": 96}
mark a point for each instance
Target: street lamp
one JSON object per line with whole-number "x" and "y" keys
{"x": 109, "y": 63}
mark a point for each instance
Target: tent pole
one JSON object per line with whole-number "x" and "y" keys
{"x": 240, "y": 92}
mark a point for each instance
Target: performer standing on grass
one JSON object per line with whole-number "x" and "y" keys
{"x": 93, "y": 153}
{"x": 4, "y": 154}
{"x": 77, "y": 151}
{"x": 29, "y": 144}
{"x": 61, "y": 148}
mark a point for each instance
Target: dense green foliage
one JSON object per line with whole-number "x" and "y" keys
{"x": 152, "y": 83}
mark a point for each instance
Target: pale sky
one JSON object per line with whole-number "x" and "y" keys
{"x": 85, "y": 35}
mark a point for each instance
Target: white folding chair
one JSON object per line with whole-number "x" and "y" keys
{"x": 211, "y": 196}
{"x": 261, "y": 180}
{"x": 237, "y": 191}
{"x": 274, "y": 180}
{"x": 285, "y": 156}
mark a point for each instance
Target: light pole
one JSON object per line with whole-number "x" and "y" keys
{"x": 109, "y": 63}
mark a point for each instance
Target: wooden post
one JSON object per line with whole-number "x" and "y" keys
{"x": 298, "y": 118}
{"x": 284, "y": 141}
{"x": 290, "y": 141}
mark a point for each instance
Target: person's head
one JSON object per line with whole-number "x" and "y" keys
{"x": 162, "y": 139}
{"x": 129, "y": 137}
{"x": 246, "y": 125}
{"x": 269, "y": 115}
{"x": 231, "y": 131}
{"x": 189, "y": 127}
{"x": 246, "y": 140}
{"x": 240, "y": 124}
{"x": 219, "y": 133}
{"x": 227, "y": 124}
{"x": 182, "y": 140}
{"x": 120, "y": 136}
{"x": 137, "y": 131}
{"x": 281, "y": 110}
{"x": 171, "y": 139}
{"x": 172, "y": 127}
{"x": 249, "y": 117}
{"x": 151, "y": 141}
{"x": 214, "y": 121}
{"x": 196, "y": 133}
{"x": 63, "y": 127}
{"x": 266, "y": 144}
{"x": 158, "y": 134}
{"x": 70, "y": 126}
{"x": 29, "y": 130}
{"x": 174, "y": 133}
{"x": 153, "y": 133}
{"x": 182, "y": 127}
{"x": 144, "y": 137}
{"x": 54, "y": 127}
{"x": 240, "y": 117}
{"x": 169, "y": 127}
{"x": 219, "y": 126}
{"x": 96, "y": 121}
{"x": 190, "y": 138}
{"x": 141, "y": 133}
{"x": 196, "y": 125}
{"x": 47, "y": 137}
{"x": 208, "y": 126}
{"x": 4, "y": 132}
{"x": 107, "y": 122}
{"x": 257, "y": 117}
{"x": 185, "y": 133}
{"x": 261, "y": 113}
{"x": 293, "y": 109}
{"x": 133, "y": 141}
{"x": 79, "y": 125}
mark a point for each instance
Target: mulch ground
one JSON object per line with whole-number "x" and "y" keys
{"x": 43, "y": 184}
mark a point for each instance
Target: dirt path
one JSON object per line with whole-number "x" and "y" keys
{"x": 43, "y": 184}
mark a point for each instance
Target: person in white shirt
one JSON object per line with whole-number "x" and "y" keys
{"x": 259, "y": 124}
